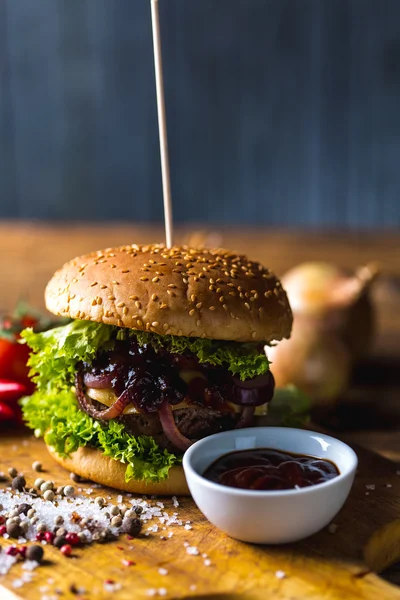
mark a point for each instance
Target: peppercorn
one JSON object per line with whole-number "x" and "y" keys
{"x": 49, "y": 495}
{"x": 58, "y": 520}
{"x": 74, "y": 477}
{"x": 12, "y": 471}
{"x": 116, "y": 521}
{"x": 115, "y": 511}
{"x": 68, "y": 490}
{"x": 100, "y": 501}
{"x": 14, "y": 530}
{"x": 72, "y": 538}
{"x": 138, "y": 510}
{"x": 66, "y": 550}
{"x": 31, "y": 513}
{"x": 38, "y": 482}
{"x": 132, "y": 526}
{"x": 37, "y": 466}
{"x": 47, "y": 485}
{"x": 23, "y": 509}
{"x": 59, "y": 541}
{"x": 35, "y": 553}
{"x": 18, "y": 483}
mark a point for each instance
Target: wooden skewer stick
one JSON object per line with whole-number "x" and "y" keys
{"x": 162, "y": 122}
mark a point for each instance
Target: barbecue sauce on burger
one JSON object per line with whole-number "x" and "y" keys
{"x": 266, "y": 469}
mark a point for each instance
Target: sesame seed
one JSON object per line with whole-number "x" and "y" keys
{"x": 125, "y": 310}
{"x": 193, "y": 298}
{"x": 139, "y": 323}
{"x": 224, "y": 306}
{"x": 116, "y": 282}
{"x": 165, "y": 326}
{"x": 120, "y": 323}
{"x": 99, "y": 300}
{"x": 138, "y": 304}
{"x": 221, "y": 299}
{"x": 144, "y": 278}
{"x": 94, "y": 302}
{"x": 113, "y": 266}
{"x": 191, "y": 312}
{"x": 171, "y": 285}
{"x": 155, "y": 279}
{"x": 133, "y": 297}
{"x": 163, "y": 305}
{"x": 93, "y": 284}
{"x": 125, "y": 271}
{"x": 198, "y": 323}
{"x": 199, "y": 305}
{"x": 247, "y": 305}
{"x": 211, "y": 288}
{"x": 154, "y": 297}
{"x": 103, "y": 287}
{"x": 211, "y": 308}
{"x": 254, "y": 335}
{"x": 170, "y": 293}
{"x": 111, "y": 297}
{"x": 120, "y": 304}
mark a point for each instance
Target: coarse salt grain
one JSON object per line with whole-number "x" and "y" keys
{"x": 370, "y": 486}
{"x": 175, "y": 501}
{"x": 332, "y": 528}
{"x": 188, "y": 527}
{"x": 192, "y": 550}
{"x": 163, "y": 571}
{"x": 367, "y": 493}
{"x": 30, "y": 565}
{"x": 280, "y": 574}
{"x": 112, "y": 586}
{"x": 119, "y": 499}
{"x": 207, "y": 562}
{"x": 162, "y": 592}
{"x": 388, "y": 485}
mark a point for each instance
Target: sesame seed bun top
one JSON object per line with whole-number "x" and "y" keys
{"x": 184, "y": 291}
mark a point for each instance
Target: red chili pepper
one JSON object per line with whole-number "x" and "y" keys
{"x": 11, "y": 390}
{"x": 6, "y": 413}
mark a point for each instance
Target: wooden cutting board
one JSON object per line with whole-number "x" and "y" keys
{"x": 325, "y": 566}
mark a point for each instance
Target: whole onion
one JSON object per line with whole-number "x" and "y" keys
{"x": 328, "y": 297}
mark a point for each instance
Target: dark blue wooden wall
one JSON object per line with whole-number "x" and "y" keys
{"x": 280, "y": 111}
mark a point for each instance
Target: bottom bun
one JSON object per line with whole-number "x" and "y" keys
{"x": 92, "y": 464}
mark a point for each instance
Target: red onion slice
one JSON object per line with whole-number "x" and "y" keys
{"x": 98, "y": 382}
{"x": 246, "y": 418}
{"x": 86, "y": 403}
{"x": 170, "y": 429}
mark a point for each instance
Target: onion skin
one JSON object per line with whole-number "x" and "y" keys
{"x": 318, "y": 363}
{"x": 86, "y": 403}
{"x": 170, "y": 429}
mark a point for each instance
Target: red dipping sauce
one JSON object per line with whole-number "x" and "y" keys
{"x": 267, "y": 469}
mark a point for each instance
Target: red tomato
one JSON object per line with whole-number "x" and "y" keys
{"x": 6, "y": 413}
{"x": 13, "y": 359}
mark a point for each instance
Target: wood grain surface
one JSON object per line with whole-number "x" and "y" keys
{"x": 324, "y": 567}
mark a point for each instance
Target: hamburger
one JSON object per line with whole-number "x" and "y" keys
{"x": 165, "y": 346}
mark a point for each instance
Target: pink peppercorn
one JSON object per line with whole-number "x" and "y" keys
{"x": 12, "y": 550}
{"x": 49, "y": 537}
{"x": 66, "y": 550}
{"x": 3, "y": 529}
{"x": 72, "y": 538}
{"x": 22, "y": 551}
{"x": 2, "y": 520}
{"x": 40, "y": 536}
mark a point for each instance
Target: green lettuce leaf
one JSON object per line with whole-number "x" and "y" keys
{"x": 289, "y": 407}
{"x": 57, "y": 417}
{"x": 56, "y": 352}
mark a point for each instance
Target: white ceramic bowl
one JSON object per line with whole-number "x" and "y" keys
{"x": 270, "y": 517}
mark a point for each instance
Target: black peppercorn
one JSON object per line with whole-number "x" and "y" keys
{"x": 35, "y": 553}
{"x": 14, "y": 530}
{"x": 23, "y": 508}
{"x": 138, "y": 510}
{"x": 132, "y": 526}
{"x": 59, "y": 541}
{"x": 18, "y": 483}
